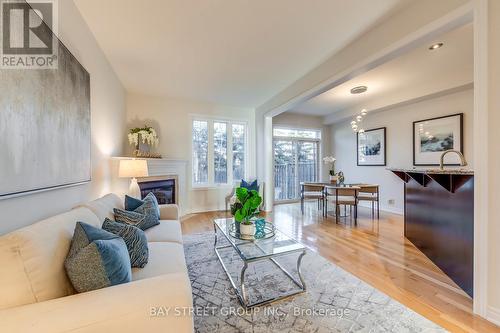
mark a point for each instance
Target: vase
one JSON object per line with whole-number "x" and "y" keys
{"x": 260, "y": 225}
{"x": 334, "y": 179}
{"x": 141, "y": 149}
{"x": 247, "y": 230}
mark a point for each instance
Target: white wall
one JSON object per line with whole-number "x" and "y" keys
{"x": 294, "y": 120}
{"x": 171, "y": 117}
{"x": 398, "y": 123}
{"x": 108, "y": 129}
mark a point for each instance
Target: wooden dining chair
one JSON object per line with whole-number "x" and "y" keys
{"x": 346, "y": 196}
{"x": 311, "y": 191}
{"x": 370, "y": 192}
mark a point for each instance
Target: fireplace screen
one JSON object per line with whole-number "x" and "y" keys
{"x": 164, "y": 190}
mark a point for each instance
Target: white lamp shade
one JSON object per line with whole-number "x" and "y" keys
{"x": 133, "y": 168}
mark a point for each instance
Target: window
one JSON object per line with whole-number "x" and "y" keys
{"x": 219, "y": 152}
{"x": 296, "y": 133}
{"x": 296, "y": 160}
{"x": 200, "y": 152}
{"x": 238, "y": 132}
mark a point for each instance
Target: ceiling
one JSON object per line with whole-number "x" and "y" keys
{"x": 417, "y": 73}
{"x": 233, "y": 52}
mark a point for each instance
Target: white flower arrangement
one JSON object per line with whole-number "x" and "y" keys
{"x": 330, "y": 160}
{"x": 146, "y": 135}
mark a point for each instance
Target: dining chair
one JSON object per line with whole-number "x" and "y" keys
{"x": 370, "y": 192}
{"x": 346, "y": 196}
{"x": 311, "y": 191}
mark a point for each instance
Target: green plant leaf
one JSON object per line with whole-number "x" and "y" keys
{"x": 255, "y": 201}
{"x": 241, "y": 194}
{"x": 238, "y": 216}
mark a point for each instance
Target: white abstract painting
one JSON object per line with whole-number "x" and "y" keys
{"x": 44, "y": 127}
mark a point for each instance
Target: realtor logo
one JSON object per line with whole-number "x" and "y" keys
{"x": 28, "y": 34}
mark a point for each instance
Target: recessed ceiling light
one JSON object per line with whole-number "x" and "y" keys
{"x": 359, "y": 90}
{"x": 435, "y": 46}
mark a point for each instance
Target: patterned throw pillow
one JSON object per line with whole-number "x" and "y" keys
{"x": 135, "y": 239}
{"x": 132, "y": 218}
{"x": 96, "y": 259}
{"x": 150, "y": 209}
{"x": 131, "y": 204}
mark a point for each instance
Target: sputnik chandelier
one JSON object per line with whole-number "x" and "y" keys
{"x": 357, "y": 123}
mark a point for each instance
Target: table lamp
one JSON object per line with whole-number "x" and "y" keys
{"x": 133, "y": 169}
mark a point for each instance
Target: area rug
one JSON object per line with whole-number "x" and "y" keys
{"x": 335, "y": 300}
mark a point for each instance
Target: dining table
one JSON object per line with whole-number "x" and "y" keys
{"x": 332, "y": 186}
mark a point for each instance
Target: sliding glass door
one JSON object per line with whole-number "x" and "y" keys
{"x": 295, "y": 161}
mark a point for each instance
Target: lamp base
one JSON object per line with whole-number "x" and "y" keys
{"x": 134, "y": 191}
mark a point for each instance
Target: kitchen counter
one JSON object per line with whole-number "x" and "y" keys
{"x": 450, "y": 171}
{"x": 439, "y": 218}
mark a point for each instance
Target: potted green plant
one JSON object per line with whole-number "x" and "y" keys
{"x": 244, "y": 209}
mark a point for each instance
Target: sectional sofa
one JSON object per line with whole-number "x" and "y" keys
{"x": 36, "y": 295}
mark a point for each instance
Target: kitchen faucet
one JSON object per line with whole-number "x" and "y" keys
{"x": 463, "y": 162}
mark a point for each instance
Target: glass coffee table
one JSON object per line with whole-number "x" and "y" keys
{"x": 257, "y": 250}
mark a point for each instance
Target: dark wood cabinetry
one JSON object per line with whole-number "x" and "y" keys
{"x": 439, "y": 220}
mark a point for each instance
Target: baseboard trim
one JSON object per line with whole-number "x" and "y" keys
{"x": 382, "y": 208}
{"x": 493, "y": 315}
{"x": 205, "y": 210}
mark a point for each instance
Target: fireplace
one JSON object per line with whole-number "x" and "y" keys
{"x": 164, "y": 189}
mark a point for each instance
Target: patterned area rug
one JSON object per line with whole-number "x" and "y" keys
{"x": 335, "y": 301}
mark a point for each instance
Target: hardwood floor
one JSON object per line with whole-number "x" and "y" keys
{"x": 376, "y": 252}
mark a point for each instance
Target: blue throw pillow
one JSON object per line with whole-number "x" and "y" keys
{"x": 96, "y": 259}
{"x": 250, "y": 186}
{"x": 150, "y": 209}
{"x": 132, "y": 203}
{"x": 135, "y": 239}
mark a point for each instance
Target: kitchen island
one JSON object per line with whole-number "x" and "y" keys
{"x": 439, "y": 218}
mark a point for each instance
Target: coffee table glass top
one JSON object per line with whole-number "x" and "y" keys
{"x": 261, "y": 248}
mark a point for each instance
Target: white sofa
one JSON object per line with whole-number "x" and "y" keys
{"x": 36, "y": 295}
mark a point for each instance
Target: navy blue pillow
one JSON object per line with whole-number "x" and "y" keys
{"x": 132, "y": 203}
{"x": 250, "y": 186}
{"x": 135, "y": 239}
{"x": 96, "y": 259}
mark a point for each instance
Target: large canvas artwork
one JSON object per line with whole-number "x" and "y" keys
{"x": 431, "y": 137}
{"x": 44, "y": 127}
{"x": 371, "y": 147}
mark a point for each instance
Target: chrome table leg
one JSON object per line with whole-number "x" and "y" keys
{"x": 299, "y": 271}
{"x": 242, "y": 284}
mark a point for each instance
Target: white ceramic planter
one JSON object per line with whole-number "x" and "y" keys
{"x": 334, "y": 179}
{"x": 247, "y": 230}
